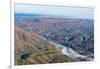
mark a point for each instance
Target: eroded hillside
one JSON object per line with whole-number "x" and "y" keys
{"x": 30, "y": 48}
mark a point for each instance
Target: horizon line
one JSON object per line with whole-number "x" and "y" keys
{"x": 52, "y": 15}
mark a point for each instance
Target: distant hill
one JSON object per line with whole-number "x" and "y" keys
{"x": 30, "y": 48}
{"x": 75, "y": 33}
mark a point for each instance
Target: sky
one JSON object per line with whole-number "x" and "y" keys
{"x": 69, "y": 12}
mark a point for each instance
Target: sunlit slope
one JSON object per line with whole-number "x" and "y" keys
{"x": 30, "y": 48}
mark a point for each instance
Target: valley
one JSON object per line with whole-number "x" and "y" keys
{"x": 53, "y": 40}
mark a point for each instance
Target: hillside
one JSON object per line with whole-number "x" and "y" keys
{"x": 74, "y": 33}
{"x": 30, "y": 48}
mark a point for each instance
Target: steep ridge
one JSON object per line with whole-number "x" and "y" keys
{"x": 31, "y": 49}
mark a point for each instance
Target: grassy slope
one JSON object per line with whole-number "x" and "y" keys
{"x": 40, "y": 50}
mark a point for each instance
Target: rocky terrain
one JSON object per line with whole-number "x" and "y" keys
{"x": 77, "y": 34}
{"x": 30, "y": 48}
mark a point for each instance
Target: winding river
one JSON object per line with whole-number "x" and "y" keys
{"x": 67, "y": 51}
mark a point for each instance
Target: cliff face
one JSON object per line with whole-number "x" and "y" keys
{"x": 30, "y": 48}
